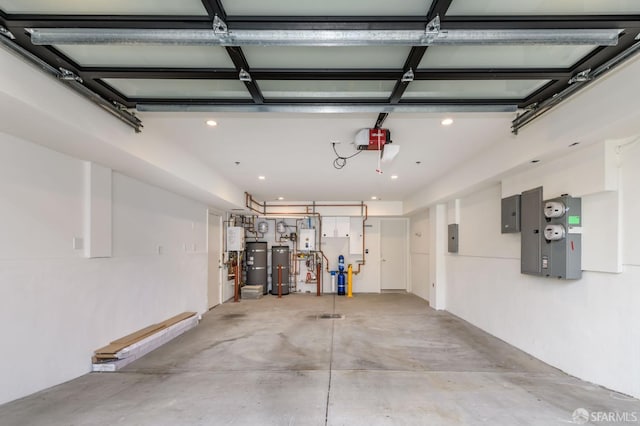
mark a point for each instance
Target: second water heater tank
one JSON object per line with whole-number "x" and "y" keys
{"x": 280, "y": 256}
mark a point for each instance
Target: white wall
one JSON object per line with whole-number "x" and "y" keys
{"x": 57, "y": 307}
{"x": 587, "y": 327}
{"x": 419, "y": 235}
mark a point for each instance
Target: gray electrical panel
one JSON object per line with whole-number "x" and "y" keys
{"x": 531, "y": 231}
{"x": 510, "y": 214}
{"x": 562, "y": 238}
{"x": 453, "y": 238}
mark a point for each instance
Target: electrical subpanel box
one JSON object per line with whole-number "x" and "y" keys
{"x": 307, "y": 239}
{"x": 531, "y": 231}
{"x": 561, "y": 254}
{"x": 356, "y": 236}
{"x": 510, "y": 214}
{"x": 453, "y": 238}
{"x": 235, "y": 238}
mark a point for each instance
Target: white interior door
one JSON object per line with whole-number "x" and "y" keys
{"x": 393, "y": 254}
{"x": 214, "y": 260}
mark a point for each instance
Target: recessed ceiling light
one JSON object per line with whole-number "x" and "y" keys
{"x": 394, "y": 176}
{"x": 212, "y": 123}
{"x": 280, "y": 198}
{"x": 262, "y": 177}
{"x": 447, "y": 121}
{"x": 374, "y": 198}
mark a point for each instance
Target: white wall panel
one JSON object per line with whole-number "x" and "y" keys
{"x": 630, "y": 177}
{"x": 602, "y": 232}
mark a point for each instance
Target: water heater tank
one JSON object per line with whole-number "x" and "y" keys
{"x": 280, "y": 256}
{"x": 256, "y": 260}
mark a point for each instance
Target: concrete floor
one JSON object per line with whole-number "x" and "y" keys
{"x": 390, "y": 361}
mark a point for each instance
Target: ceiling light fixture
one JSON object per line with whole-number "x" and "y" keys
{"x": 394, "y": 177}
{"x": 280, "y": 198}
{"x": 262, "y": 177}
{"x": 212, "y": 123}
{"x": 432, "y": 35}
{"x": 374, "y": 198}
{"x": 447, "y": 121}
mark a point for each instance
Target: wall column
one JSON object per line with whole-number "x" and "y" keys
{"x": 437, "y": 261}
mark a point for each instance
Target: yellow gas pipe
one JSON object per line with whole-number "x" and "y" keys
{"x": 349, "y": 281}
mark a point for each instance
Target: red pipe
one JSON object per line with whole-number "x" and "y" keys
{"x": 236, "y": 288}
{"x": 318, "y": 272}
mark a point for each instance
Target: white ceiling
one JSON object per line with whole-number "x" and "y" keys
{"x": 293, "y": 151}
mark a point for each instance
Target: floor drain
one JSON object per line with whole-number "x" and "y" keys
{"x": 331, "y": 316}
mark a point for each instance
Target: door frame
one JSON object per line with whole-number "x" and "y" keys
{"x": 213, "y": 213}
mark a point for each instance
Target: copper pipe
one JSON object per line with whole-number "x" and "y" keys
{"x": 318, "y": 272}
{"x": 366, "y": 216}
{"x": 326, "y": 259}
{"x": 279, "y": 281}
{"x": 250, "y": 202}
{"x": 236, "y": 288}
{"x": 251, "y": 226}
{"x": 293, "y": 261}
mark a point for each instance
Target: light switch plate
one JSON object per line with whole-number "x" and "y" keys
{"x": 77, "y": 243}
